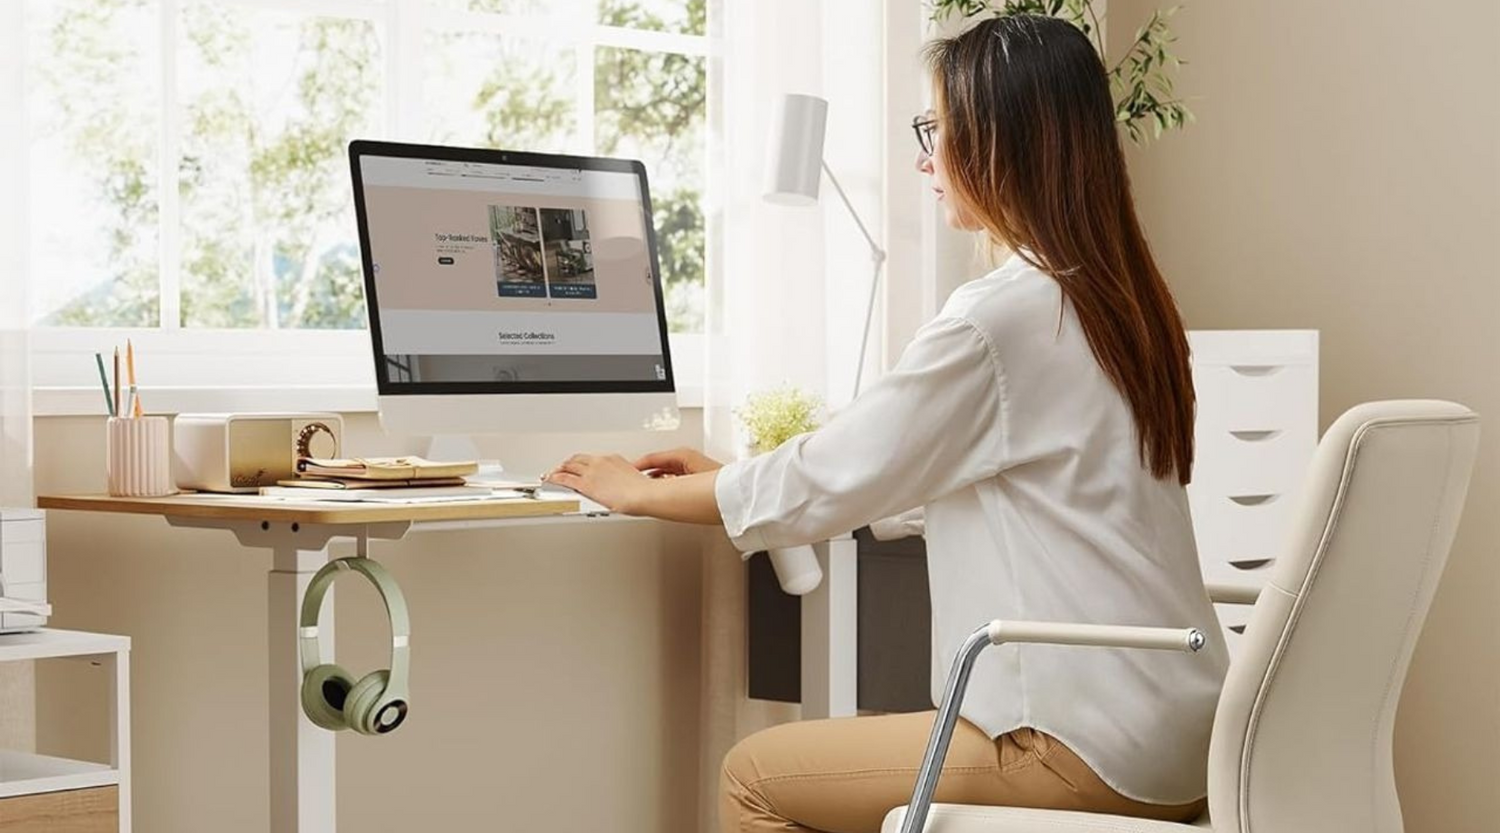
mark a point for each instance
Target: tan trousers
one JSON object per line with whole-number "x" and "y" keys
{"x": 844, "y": 775}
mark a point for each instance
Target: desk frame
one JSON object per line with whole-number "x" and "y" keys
{"x": 303, "y": 786}
{"x": 304, "y": 789}
{"x": 830, "y": 639}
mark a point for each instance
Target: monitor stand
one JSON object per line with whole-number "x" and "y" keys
{"x": 445, "y": 448}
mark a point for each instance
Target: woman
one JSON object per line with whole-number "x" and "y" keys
{"x": 1044, "y": 420}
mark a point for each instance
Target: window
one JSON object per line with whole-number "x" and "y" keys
{"x": 187, "y": 169}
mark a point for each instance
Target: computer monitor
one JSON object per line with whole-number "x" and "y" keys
{"x": 511, "y": 291}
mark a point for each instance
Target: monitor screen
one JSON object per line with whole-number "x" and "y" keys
{"x": 504, "y": 272}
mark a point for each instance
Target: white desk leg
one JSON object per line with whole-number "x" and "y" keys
{"x": 829, "y": 637}
{"x": 119, "y": 729}
{"x": 302, "y": 762}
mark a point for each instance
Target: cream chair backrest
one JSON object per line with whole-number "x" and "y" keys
{"x": 1302, "y": 738}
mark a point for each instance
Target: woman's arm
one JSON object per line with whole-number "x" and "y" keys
{"x": 688, "y": 499}
{"x": 934, "y": 424}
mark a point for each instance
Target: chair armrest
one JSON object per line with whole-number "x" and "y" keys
{"x": 1235, "y": 594}
{"x": 1000, "y": 631}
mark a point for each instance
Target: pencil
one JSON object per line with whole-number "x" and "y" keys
{"x": 135, "y": 401}
{"x": 117, "y": 381}
{"x": 109, "y": 402}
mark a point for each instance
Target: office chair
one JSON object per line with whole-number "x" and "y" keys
{"x": 1302, "y": 736}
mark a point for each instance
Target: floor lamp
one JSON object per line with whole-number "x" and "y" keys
{"x": 793, "y": 176}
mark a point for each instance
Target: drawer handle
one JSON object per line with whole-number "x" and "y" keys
{"x": 1256, "y": 369}
{"x": 1250, "y": 563}
{"x": 1239, "y": 629}
{"x": 1253, "y": 500}
{"x": 1256, "y": 436}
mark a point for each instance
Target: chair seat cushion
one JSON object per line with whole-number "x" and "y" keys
{"x": 957, "y": 818}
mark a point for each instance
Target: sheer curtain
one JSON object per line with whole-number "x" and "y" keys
{"x": 15, "y": 397}
{"x": 15, "y": 364}
{"x": 787, "y": 286}
{"x": 17, "y": 680}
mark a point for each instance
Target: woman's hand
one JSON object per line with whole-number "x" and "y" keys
{"x": 677, "y": 462}
{"x": 681, "y": 490}
{"x": 608, "y": 479}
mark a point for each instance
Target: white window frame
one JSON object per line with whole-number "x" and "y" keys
{"x": 194, "y": 369}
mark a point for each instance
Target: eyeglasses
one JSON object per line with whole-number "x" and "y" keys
{"x": 925, "y": 126}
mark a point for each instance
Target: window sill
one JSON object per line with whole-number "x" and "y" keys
{"x": 185, "y": 370}
{"x": 74, "y": 401}
{"x": 351, "y": 399}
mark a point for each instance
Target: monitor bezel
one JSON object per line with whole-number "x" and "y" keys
{"x": 361, "y": 148}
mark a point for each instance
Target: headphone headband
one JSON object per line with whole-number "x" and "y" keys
{"x": 390, "y": 595}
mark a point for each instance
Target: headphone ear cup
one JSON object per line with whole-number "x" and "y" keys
{"x": 359, "y": 706}
{"x": 325, "y": 693}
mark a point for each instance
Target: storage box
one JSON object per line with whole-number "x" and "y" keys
{"x": 242, "y": 452}
{"x": 23, "y": 565}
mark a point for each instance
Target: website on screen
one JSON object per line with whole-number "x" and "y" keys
{"x": 487, "y": 272}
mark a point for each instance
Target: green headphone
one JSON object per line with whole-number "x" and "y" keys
{"x": 330, "y": 696}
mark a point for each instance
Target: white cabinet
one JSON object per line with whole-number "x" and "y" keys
{"x": 71, "y": 794}
{"x": 1256, "y": 431}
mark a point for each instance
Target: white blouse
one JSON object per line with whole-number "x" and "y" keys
{"x": 1000, "y": 422}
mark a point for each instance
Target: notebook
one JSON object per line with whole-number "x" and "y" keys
{"x": 382, "y": 468}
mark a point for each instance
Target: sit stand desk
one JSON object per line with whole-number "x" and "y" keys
{"x": 302, "y": 783}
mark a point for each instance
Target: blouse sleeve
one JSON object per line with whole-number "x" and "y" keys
{"x": 934, "y": 424}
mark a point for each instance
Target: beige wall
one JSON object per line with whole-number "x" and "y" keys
{"x": 1344, "y": 175}
{"x": 555, "y": 669}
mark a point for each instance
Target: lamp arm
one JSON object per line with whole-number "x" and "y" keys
{"x": 877, "y": 255}
{"x": 864, "y": 341}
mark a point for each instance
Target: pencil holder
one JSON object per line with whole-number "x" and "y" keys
{"x": 138, "y": 460}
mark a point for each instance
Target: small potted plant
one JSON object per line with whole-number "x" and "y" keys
{"x": 768, "y": 419}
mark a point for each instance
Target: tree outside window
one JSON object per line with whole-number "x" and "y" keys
{"x": 204, "y": 183}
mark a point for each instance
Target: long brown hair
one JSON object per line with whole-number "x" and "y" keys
{"x": 1026, "y": 127}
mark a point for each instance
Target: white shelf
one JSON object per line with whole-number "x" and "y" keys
{"x": 25, "y": 773}
{"x": 22, "y": 773}
{"x": 48, "y": 642}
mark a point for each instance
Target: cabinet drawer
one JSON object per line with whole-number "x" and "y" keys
{"x": 1241, "y": 527}
{"x": 16, "y": 620}
{"x": 1245, "y": 462}
{"x": 22, "y": 532}
{"x": 1253, "y": 346}
{"x": 1254, "y": 397}
{"x": 1239, "y": 572}
{"x": 23, "y": 563}
{"x": 95, "y": 810}
{"x": 1233, "y": 617}
{"x": 1233, "y": 620}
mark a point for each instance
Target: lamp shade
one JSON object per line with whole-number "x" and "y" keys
{"x": 796, "y": 146}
